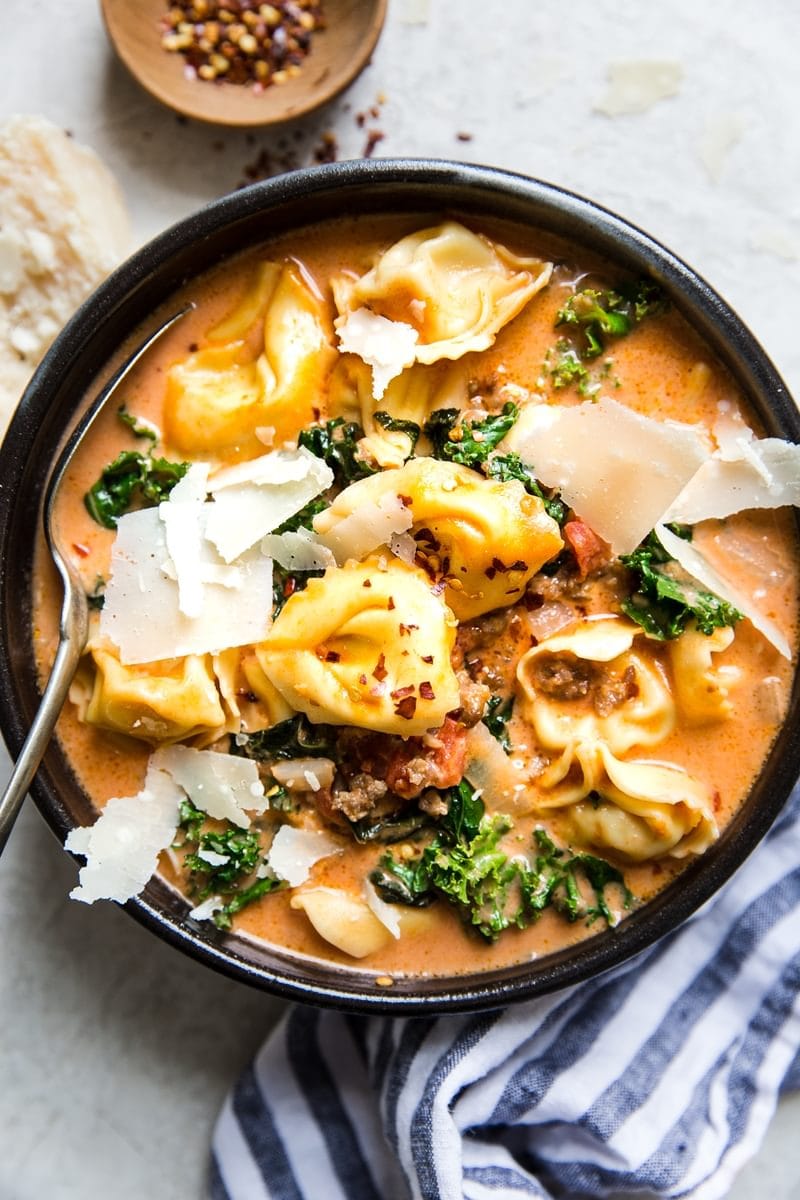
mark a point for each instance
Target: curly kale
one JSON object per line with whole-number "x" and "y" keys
{"x": 466, "y": 865}
{"x": 468, "y": 442}
{"x": 597, "y": 315}
{"x": 336, "y": 441}
{"x": 498, "y": 714}
{"x": 295, "y": 738}
{"x": 662, "y": 602}
{"x": 132, "y": 478}
{"x": 511, "y": 466}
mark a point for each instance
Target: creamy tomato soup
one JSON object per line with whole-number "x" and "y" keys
{"x": 426, "y": 633}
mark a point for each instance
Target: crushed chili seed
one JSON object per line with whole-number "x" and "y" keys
{"x": 390, "y": 604}
{"x": 406, "y": 708}
{"x": 241, "y": 41}
{"x": 380, "y": 671}
{"x": 398, "y": 693}
{"x": 332, "y": 656}
{"x": 367, "y": 583}
{"x": 427, "y": 658}
{"x": 326, "y": 149}
{"x": 426, "y": 691}
{"x": 406, "y": 501}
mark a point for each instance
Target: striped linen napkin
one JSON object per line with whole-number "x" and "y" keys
{"x": 660, "y": 1076}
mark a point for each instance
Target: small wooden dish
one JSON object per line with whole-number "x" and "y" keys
{"x": 338, "y": 54}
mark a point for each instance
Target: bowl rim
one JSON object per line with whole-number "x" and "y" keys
{"x": 386, "y": 185}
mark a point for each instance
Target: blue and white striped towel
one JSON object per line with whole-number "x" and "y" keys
{"x": 659, "y": 1076}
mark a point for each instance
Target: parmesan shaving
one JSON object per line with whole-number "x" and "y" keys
{"x": 253, "y": 498}
{"x": 182, "y": 516}
{"x": 299, "y": 551}
{"x": 142, "y": 614}
{"x": 619, "y": 470}
{"x": 766, "y": 474}
{"x": 222, "y": 785}
{"x": 295, "y": 851}
{"x": 205, "y": 911}
{"x": 373, "y": 524}
{"x": 696, "y": 565}
{"x": 304, "y": 774}
{"x": 635, "y": 86}
{"x": 403, "y": 546}
{"x": 502, "y": 780}
{"x": 388, "y": 347}
{"x": 123, "y": 845}
{"x": 387, "y": 914}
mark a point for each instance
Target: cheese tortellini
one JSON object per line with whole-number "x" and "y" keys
{"x": 482, "y": 538}
{"x": 591, "y": 696}
{"x": 702, "y": 688}
{"x": 366, "y": 645}
{"x": 456, "y": 288}
{"x": 159, "y": 702}
{"x": 411, "y": 396}
{"x": 221, "y": 395}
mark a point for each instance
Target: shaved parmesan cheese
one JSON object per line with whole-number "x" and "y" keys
{"x": 304, "y": 774}
{"x": 766, "y": 474}
{"x": 299, "y": 551}
{"x": 720, "y": 135}
{"x": 253, "y": 498}
{"x": 403, "y": 546}
{"x": 182, "y": 516}
{"x": 387, "y": 914}
{"x": 696, "y": 565}
{"x": 222, "y": 785}
{"x": 502, "y": 780}
{"x": 206, "y": 910}
{"x": 371, "y": 525}
{"x": 294, "y": 851}
{"x": 142, "y": 614}
{"x": 123, "y": 845}
{"x": 213, "y": 859}
{"x": 386, "y": 346}
{"x": 635, "y": 86}
{"x": 619, "y": 470}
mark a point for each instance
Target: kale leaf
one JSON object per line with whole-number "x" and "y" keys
{"x": 394, "y": 425}
{"x": 243, "y": 897}
{"x": 465, "y": 864}
{"x": 336, "y": 442}
{"x": 511, "y": 466}
{"x": 468, "y": 442}
{"x": 394, "y": 828}
{"x": 662, "y": 603}
{"x": 498, "y": 714}
{"x": 131, "y": 478}
{"x": 295, "y": 738}
{"x": 96, "y": 597}
{"x": 137, "y": 429}
{"x": 597, "y": 314}
{"x": 241, "y": 850}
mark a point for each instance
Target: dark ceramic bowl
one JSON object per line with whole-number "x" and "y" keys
{"x": 129, "y": 297}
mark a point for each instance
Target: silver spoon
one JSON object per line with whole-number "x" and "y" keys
{"x": 74, "y": 624}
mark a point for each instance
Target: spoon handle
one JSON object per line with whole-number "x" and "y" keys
{"x": 74, "y": 628}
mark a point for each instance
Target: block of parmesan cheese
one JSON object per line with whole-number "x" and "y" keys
{"x": 63, "y": 228}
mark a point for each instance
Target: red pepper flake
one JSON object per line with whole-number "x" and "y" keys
{"x": 316, "y": 413}
{"x": 380, "y": 671}
{"x": 367, "y": 583}
{"x": 426, "y": 691}
{"x": 81, "y": 550}
{"x": 362, "y": 679}
{"x": 427, "y": 658}
{"x": 398, "y": 693}
{"x": 519, "y": 565}
{"x": 499, "y": 565}
{"x": 290, "y": 586}
{"x": 406, "y": 708}
{"x": 390, "y": 605}
{"x": 406, "y": 501}
{"x": 374, "y": 136}
{"x": 405, "y": 630}
{"x": 332, "y": 656}
{"x": 490, "y": 572}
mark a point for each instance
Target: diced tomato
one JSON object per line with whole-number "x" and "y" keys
{"x": 415, "y": 766}
{"x": 590, "y": 551}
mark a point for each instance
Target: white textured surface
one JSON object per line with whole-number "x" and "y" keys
{"x": 116, "y": 1051}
